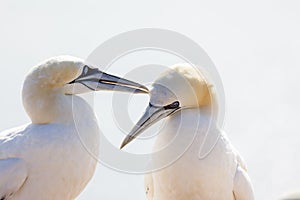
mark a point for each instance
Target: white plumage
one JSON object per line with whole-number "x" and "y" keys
{"x": 206, "y": 166}
{"x": 54, "y": 157}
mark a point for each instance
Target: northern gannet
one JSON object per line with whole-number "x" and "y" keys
{"x": 206, "y": 166}
{"x": 47, "y": 159}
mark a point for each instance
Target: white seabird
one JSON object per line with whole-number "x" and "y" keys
{"x": 210, "y": 168}
{"x": 47, "y": 159}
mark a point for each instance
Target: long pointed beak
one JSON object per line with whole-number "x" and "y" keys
{"x": 95, "y": 80}
{"x": 152, "y": 115}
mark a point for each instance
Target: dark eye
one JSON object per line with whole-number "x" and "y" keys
{"x": 173, "y": 105}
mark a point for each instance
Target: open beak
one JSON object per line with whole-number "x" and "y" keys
{"x": 95, "y": 80}
{"x": 152, "y": 115}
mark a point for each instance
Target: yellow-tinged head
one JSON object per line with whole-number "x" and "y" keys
{"x": 54, "y": 72}
{"x": 48, "y": 86}
{"x": 182, "y": 86}
{"x": 183, "y": 83}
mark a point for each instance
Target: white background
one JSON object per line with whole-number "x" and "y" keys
{"x": 255, "y": 46}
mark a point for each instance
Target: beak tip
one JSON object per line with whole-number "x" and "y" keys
{"x": 143, "y": 89}
{"x": 122, "y": 145}
{"x": 126, "y": 141}
{"x": 146, "y": 89}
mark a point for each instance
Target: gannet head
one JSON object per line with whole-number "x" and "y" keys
{"x": 182, "y": 86}
{"x": 50, "y": 81}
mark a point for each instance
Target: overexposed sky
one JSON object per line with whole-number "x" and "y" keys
{"x": 255, "y": 46}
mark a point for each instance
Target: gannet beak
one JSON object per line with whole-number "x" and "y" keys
{"x": 152, "y": 115}
{"x": 96, "y": 80}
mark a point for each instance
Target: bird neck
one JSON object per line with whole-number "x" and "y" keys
{"x": 187, "y": 132}
{"x": 211, "y": 107}
{"x": 46, "y": 106}
{"x": 210, "y": 110}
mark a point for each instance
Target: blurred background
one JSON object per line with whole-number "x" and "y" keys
{"x": 255, "y": 46}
